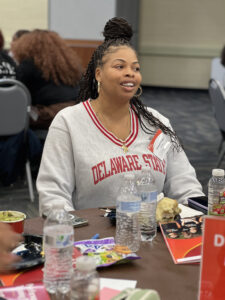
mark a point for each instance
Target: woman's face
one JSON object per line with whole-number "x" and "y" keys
{"x": 120, "y": 75}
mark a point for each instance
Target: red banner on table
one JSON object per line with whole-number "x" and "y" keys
{"x": 212, "y": 279}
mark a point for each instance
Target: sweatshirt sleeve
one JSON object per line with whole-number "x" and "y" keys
{"x": 181, "y": 181}
{"x": 56, "y": 177}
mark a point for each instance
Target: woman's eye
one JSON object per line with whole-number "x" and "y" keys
{"x": 137, "y": 69}
{"x": 119, "y": 67}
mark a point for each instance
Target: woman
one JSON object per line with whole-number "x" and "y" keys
{"x": 50, "y": 69}
{"x": 110, "y": 132}
{"x": 7, "y": 65}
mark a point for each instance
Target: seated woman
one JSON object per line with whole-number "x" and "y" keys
{"x": 110, "y": 132}
{"x": 7, "y": 64}
{"x": 50, "y": 69}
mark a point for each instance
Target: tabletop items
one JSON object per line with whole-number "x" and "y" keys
{"x": 183, "y": 238}
{"x": 14, "y": 218}
{"x": 30, "y": 251}
{"x": 147, "y": 190}
{"x": 105, "y": 251}
{"x": 85, "y": 282}
{"x": 216, "y": 193}
{"x": 127, "y": 214}
{"x": 58, "y": 249}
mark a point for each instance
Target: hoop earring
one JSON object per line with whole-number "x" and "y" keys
{"x": 140, "y": 92}
{"x": 98, "y": 86}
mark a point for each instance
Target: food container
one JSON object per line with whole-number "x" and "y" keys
{"x": 14, "y": 218}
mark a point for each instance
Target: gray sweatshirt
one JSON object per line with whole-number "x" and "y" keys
{"x": 83, "y": 163}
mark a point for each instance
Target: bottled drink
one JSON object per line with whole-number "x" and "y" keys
{"x": 216, "y": 193}
{"x": 58, "y": 249}
{"x": 127, "y": 209}
{"x": 85, "y": 281}
{"x": 147, "y": 216}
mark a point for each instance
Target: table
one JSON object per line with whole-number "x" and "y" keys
{"x": 155, "y": 270}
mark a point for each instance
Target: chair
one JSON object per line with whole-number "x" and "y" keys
{"x": 217, "y": 95}
{"x": 217, "y": 70}
{"x": 15, "y": 101}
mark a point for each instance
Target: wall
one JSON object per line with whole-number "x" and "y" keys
{"x": 22, "y": 14}
{"x": 81, "y": 23}
{"x": 178, "y": 39}
{"x": 80, "y": 19}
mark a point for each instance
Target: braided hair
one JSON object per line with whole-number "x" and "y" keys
{"x": 118, "y": 33}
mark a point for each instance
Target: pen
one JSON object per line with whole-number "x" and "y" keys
{"x": 95, "y": 237}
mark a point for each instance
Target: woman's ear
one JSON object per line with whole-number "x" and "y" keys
{"x": 98, "y": 74}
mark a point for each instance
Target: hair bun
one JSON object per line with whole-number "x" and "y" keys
{"x": 117, "y": 28}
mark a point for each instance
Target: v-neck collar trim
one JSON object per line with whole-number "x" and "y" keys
{"x": 134, "y": 126}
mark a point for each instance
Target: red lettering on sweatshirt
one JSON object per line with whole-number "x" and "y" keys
{"x": 114, "y": 169}
{"x": 118, "y": 163}
{"x": 131, "y": 162}
{"x": 107, "y": 174}
{"x": 127, "y": 163}
{"x": 156, "y": 163}
{"x": 136, "y": 158}
{"x": 146, "y": 159}
{"x": 95, "y": 174}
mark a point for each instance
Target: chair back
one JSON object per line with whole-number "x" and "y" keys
{"x": 15, "y": 101}
{"x": 217, "y": 70}
{"x": 217, "y": 95}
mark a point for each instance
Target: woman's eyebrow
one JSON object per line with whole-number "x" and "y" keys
{"x": 122, "y": 60}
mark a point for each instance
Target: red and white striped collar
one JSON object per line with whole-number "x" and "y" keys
{"x": 134, "y": 127}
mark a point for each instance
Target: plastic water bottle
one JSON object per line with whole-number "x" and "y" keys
{"x": 127, "y": 210}
{"x": 85, "y": 282}
{"x": 58, "y": 249}
{"x": 216, "y": 193}
{"x": 147, "y": 217}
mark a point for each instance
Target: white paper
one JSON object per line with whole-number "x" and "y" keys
{"x": 187, "y": 212}
{"x": 193, "y": 259}
{"x": 119, "y": 284}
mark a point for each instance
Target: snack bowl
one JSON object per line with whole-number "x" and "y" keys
{"x": 14, "y": 218}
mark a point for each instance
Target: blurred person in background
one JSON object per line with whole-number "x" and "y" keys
{"x": 8, "y": 241}
{"x": 7, "y": 64}
{"x": 51, "y": 71}
{"x": 19, "y": 33}
{"x": 223, "y": 63}
{"x": 223, "y": 56}
{"x": 12, "y": 150}
{"x": 16, "y": 36}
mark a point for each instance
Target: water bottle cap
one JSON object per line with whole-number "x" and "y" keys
{"x": 218, "y": 172}
{"x": 85, "y": 263}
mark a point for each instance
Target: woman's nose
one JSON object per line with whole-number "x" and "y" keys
{"x": 129, "y": 72}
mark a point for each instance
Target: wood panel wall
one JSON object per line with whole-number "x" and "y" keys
{"x": 84, "y": 49}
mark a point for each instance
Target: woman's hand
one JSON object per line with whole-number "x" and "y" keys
{"x": 8, "y": 241}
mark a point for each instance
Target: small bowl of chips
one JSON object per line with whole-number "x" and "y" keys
{"x": 14, "y": 218}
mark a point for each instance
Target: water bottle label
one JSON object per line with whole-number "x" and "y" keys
{"x": 149, "y": 197}
{"x": 126, "y": 206}
{"x": 59, "y": 241}
{"x": 218, "y": 209}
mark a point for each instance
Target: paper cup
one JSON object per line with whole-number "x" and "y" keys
{"x": 17, "y": 224}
